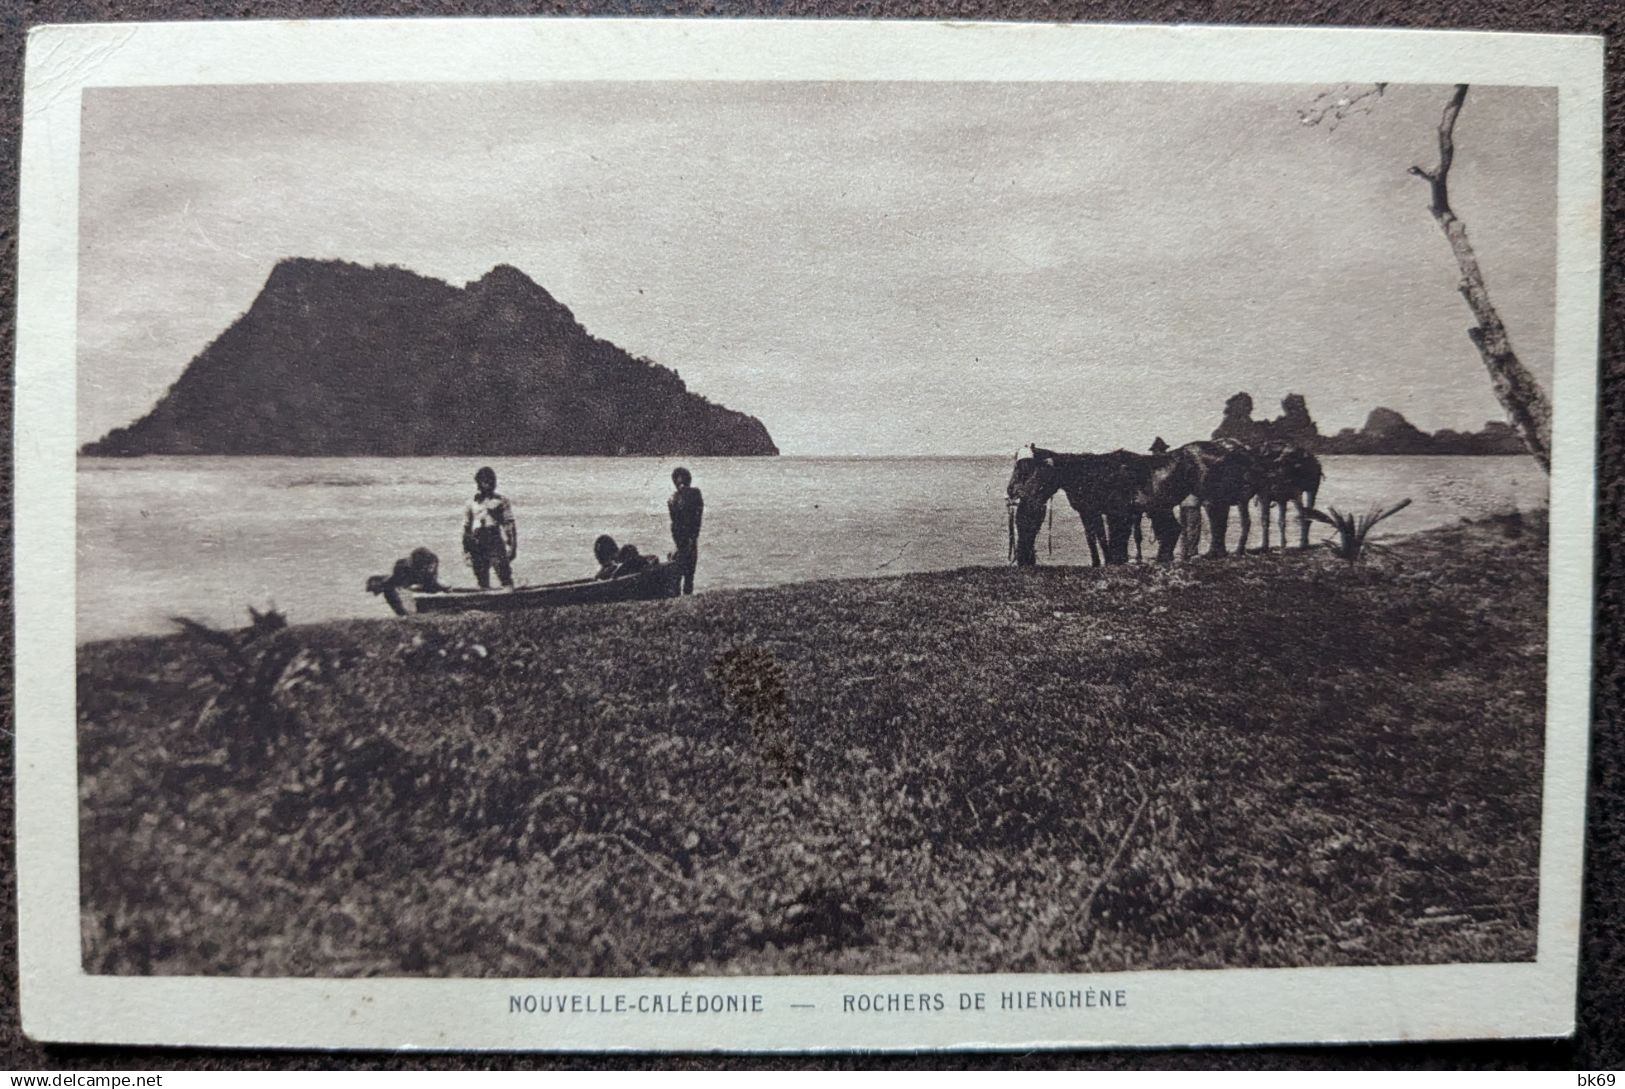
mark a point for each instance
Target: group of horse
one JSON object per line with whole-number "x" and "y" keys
{"x": 1113, "y": 492}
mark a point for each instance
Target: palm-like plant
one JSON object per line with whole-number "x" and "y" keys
{"x": 252, "y": 671}
{"x": 1349, "y": 544}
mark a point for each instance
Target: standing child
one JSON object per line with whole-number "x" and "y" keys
{"x": 490, "y": 538}
{"x": 687, "y": 509}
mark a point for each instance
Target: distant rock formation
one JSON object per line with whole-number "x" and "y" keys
{"x": 1388, "y": 432}
{"x": 336, "y": 359}
{"x": 1295, "y": 425}
{"x": 1238, "y": 422}
{"x": 1385, "y": 432}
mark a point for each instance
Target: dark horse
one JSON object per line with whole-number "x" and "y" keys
{"x": 1111, "y": 492}
{"x": 1221, "y": 474}
{"x": 1284, "y": 474}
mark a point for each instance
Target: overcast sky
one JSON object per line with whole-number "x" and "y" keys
{"x": 870, "y": 268}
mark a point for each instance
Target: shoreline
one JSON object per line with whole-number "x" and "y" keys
{"x": 1387, "y": 536}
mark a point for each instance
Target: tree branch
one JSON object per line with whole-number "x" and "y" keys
{"x": 1439, "y": 178}
{"x": 1336, "y": 106}
{"x": 1520, "y": 393}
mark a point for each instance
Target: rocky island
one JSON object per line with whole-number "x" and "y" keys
{"x": 1385, "y": 432}
{"x": 337, "y": 359}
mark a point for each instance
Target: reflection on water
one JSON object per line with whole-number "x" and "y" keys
{"x": 204, "y": 537}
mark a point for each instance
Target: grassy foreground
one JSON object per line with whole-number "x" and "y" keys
{"x": 1272, "y": 761}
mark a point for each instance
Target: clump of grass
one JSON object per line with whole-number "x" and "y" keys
{"x": 251, "y": 670}
{"x": 1353, "y": 529}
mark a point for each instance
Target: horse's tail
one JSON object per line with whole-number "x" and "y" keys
{"x": 1311, "y": 491}
{"x": 1314, "y": 481}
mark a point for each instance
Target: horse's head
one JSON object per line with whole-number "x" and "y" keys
{"x": 1032, "y": 482}
{"x": 1030, "y": 479}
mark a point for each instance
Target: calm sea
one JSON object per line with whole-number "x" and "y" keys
{"x": 205, "y": 537}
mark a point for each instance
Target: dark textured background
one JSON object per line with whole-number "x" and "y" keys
{"x": 1599, "y": 1042}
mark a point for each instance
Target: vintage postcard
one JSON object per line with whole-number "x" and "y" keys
{"x": 802, "y": 535}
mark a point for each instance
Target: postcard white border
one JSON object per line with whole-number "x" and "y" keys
{"x": 61, "y": 1003}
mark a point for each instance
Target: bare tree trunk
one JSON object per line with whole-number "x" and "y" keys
{"x": 1527, "y": 408}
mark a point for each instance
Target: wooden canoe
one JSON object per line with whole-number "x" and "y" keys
{"x": 657, "y": 582}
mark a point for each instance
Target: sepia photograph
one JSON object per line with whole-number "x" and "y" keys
{"x": 709, "y": 529}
